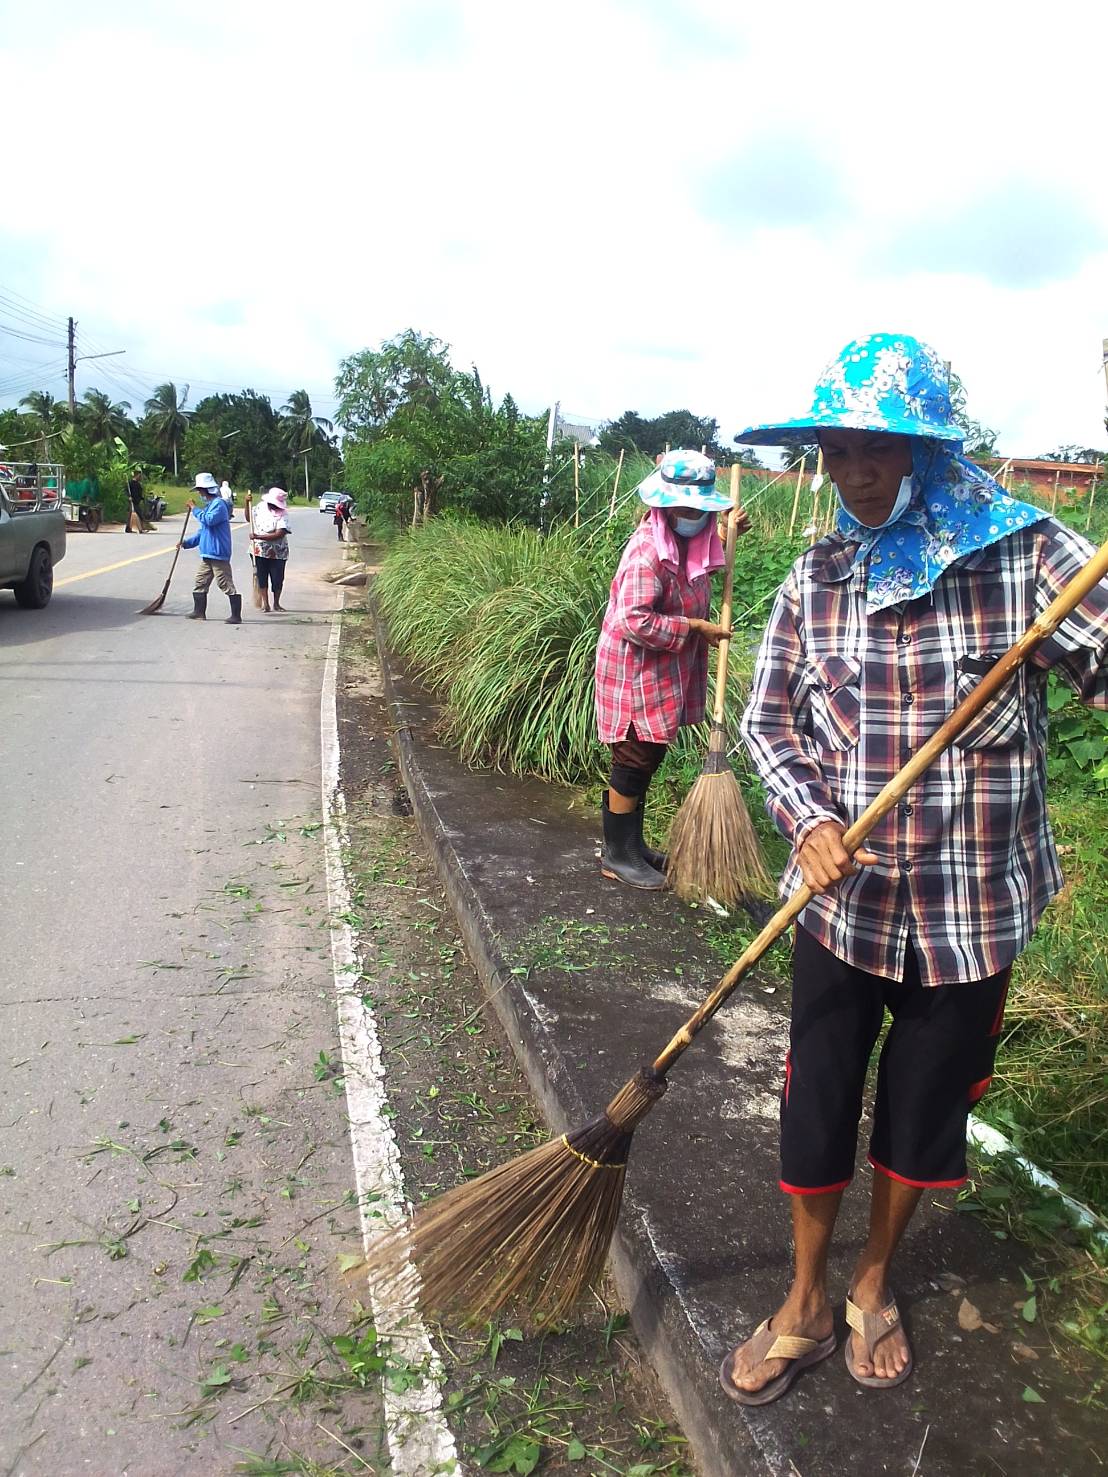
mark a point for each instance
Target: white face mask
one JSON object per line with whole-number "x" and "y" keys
{"x": 689, "y": 527}
{"x": 903, "y": 498}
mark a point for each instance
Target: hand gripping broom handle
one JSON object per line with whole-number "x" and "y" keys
{"x": 728, "y": 596}
{"x": 1046, "y": 624}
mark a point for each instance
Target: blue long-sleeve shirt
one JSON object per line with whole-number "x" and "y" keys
{"x": 214, "y": 537}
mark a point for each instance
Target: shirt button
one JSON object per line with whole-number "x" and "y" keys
{"x": 906, "y": 753}
{"x": 907, "y": 699}
{"x": 903, "y": 640}
{"x": 906, "y": 809}
{"x": 905, "y": 866}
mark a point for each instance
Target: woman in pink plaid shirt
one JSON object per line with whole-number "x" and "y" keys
{"x": 652, "y": 658}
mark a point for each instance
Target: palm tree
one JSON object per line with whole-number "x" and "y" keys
{"x": 46, "y": 411}
{"x": 304, "y": 431}
{"x": 104, "y": 419}
{"x": 168, "y": 421}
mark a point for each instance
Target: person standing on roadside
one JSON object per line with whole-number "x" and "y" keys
{"x": 271, "y": 529}
{"x": 652, "y": 657}
{"x": 932, "y": 573}
{"x": 214, "y": 540}
{"x": 136, "y": 498}
{"x": 229, "y": 498}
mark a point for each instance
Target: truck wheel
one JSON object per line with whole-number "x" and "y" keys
{"x": 94, "y": 518}
{"x": 34, "y": 592}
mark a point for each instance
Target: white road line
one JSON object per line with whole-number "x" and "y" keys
{"x": 420, "y": 1441}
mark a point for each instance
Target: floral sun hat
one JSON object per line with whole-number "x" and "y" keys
{"x": 886, "y": 382}
{"x": 893, "y": 383}
{"x": 683, "y": 479}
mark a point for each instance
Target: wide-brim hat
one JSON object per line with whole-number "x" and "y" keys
{"x": 887, "y": 382}
{"x": 683, "y": 479}
{"x": 205, "y": 482}
{"x": 278, "y": 496}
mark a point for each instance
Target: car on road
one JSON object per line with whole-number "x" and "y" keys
{"x": 32, "y": 530}
{"x": 329, "y": 501}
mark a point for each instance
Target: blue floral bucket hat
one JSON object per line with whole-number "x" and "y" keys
{"x": 683, "y": 479}
{"x": 886, "y": 382}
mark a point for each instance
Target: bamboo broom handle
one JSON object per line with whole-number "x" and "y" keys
{"x": 724, "y": 647}
{"x": 1046, "y": 624}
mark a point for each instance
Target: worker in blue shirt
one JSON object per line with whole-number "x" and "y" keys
{"x": 214, "y": 539}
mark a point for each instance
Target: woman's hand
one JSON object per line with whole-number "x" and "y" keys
{"x": 742, "y": 523}
{"x": 713, "y": 634}
{"x": 824, "y": 860}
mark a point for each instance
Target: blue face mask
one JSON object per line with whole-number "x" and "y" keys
{"x": 688, "y": 527}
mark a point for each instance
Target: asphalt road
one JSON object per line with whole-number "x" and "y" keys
{"x": 175, "y": 1175}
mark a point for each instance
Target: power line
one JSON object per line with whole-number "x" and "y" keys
{"x": 31, "y": 338}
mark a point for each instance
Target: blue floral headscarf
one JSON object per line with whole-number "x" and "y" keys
{"x": 955, "y": 510}
{"x": 893, "y": 383}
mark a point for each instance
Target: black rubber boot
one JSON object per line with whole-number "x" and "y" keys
{"x": 621, "y": 858}
{"x": 657, "y": 859}
{"x": 235, "y": 618}
{"x": 199, "y": 607}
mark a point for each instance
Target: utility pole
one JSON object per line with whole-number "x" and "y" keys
{"x": 72, "y": 372}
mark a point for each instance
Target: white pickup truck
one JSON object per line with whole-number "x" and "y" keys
{"x": 32, "y": 529}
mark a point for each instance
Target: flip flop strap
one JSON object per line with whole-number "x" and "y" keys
{"x": 765, "y": 1344}
{"x": 872, "y": 1326}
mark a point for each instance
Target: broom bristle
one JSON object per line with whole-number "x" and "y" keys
{"x": 713, "y": 848}
{"x": 532, "y": 1233}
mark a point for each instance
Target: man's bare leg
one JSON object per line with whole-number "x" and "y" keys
{"x": 892, "y": 1206}
{"x": 807, "y": 1310}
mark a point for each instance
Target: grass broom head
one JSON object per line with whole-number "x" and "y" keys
{"x": 713, "y": 848}
{"x": 532, "y": 1234}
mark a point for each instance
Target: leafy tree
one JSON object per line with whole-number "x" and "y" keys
{"x": 45, "y": 411}
{"x": 103, "y": 418}
{"x": 978, "y": 440}
{"x": 305, "y": 432}
{"x": 411, "y": 371}
{"x": 165, "y": 412}
{"x": 1087, "y": 454}
{"x": 631, "y": 432}
{"x": 421, "y": 432}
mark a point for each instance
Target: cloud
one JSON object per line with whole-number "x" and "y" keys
{"x": 776, "y": 179}
{"x": 1020, "y": 234}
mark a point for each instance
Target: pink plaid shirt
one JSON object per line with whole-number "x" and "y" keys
{"x": 651, "y": 669}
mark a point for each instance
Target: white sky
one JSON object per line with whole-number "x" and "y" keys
{"x": 616, "y": 203}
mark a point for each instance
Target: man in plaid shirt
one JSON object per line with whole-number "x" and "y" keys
{"x": 876, "y": 635}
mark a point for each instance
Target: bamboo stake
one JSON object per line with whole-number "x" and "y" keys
{"x": 1054, "y": 494}
{"x": 817, "y": 484}
{"x": 615, "y": 486}
{"x": 576, "y": 485}
{"x": 1092, "y": 498}
{"x": 796, "y": 492}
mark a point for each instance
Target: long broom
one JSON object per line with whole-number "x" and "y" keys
{"x": 534, "y": 1232}
{"x": 256, "y": 589}
{"x": 159, "y": 600}
{"x": 713, "y": 847}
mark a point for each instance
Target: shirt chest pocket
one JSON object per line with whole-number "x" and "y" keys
{"x": 1002, "y": 722}
{"x": 835, "y": 700}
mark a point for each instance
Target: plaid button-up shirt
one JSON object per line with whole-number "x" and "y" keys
{"x": 651, "y": 670}
{"x": 841, "y": 699}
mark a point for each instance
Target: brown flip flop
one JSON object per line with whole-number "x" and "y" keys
{"x": 873, "y": 1327}
{"x": 764, "y": 1344}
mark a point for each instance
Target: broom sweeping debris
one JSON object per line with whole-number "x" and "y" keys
{"x": 713, "y": 847}
{"x": 255, "y": 590}
{"x": 159, "y": 600}
{"x": 535, "y": 1231}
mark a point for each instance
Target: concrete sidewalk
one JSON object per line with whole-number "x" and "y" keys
{"x": 590, "y": 980}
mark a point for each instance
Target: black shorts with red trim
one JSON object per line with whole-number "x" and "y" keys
{"x": 937, "y": 1061}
